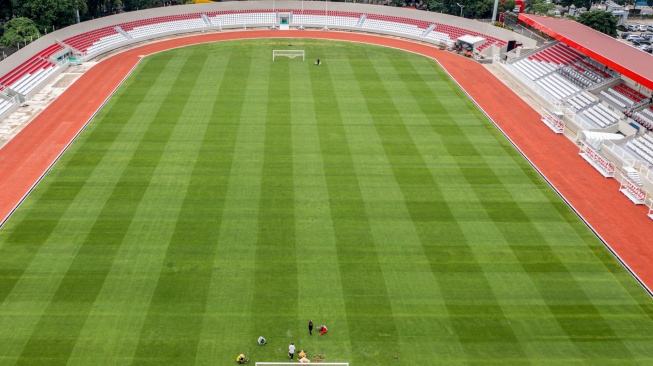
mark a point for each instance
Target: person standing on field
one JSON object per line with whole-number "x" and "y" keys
{"x": 291, "y": 350}
{"x": 310, "y": 327}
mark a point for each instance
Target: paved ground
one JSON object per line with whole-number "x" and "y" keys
{"x": 15, "y": 123}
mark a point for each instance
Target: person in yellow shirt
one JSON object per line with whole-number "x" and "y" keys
{"x": 242, "y": 359}
{"x": 302, "y": 353}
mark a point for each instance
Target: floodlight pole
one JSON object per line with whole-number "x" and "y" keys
{"x": 461, "y": 9}
{"x": 494, "y": 12}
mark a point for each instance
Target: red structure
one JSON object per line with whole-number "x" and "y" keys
{"x": 621, "y": 57}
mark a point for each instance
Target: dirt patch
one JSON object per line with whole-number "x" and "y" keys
{"x": 65, "y": 81}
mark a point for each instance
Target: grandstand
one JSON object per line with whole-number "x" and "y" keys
{"x": 597, "y": 84}
{"x": 85, "y": 44}
{"x": 582, "y": 88}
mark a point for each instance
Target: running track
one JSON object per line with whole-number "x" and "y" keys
{"x": 624, "y": 226}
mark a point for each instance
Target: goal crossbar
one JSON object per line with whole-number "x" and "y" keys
{"x": 295, "y": 363}
{"x": 288, "y": 53}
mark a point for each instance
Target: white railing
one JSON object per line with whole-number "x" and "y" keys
{"x": 532, "y": 85}
{"x": 581, "y": 122}
{"x": 619, "y": 151}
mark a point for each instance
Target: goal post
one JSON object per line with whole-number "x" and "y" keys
{"x": 288, "y": 53}
{"x": 296, "y": 363}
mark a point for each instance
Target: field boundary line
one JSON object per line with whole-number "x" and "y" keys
{"x": 558, "y": 192}
{"x": 619, "y": 224}
{"x": 56, "y": 159}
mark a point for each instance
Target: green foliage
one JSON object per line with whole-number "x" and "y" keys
{"x": 140, "y": 4}
{"x": 541, "y": 7}
{"x": 97, "y": 8}
{"x": 219, "y": 196}
{"x": 601, "y": 21}
{"x": 6, "y": 9}
{"x": 480, "y": 8}
{"x": 435, "y": 5}
{"x": 18, "y": 30}
{"x": 47, "y": 13}
{"x": 509, "y": 5}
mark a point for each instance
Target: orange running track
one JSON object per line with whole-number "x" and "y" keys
{"x": 624, "y": 226}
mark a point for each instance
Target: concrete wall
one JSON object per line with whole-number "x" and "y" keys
{"x": 485, "y": 28}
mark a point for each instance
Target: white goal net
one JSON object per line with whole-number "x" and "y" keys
{"x": 288, "y": 53}
{"x": 296, "y": 363}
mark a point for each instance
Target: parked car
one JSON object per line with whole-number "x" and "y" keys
{"x": 640, "y": 41}
{"x": 625, "y": 34}
{"x": 642, "y": 28}
{"x": 621, "y": 27}
{"x": 648, "y": 28}
{"x": 632, "y": 36}
{"x": 646, "y": 48}
{"x": 632, "y": 27}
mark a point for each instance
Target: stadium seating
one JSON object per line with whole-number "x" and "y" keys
{"x": 558, "y": 86}
{"x": 396, "y": 27}
{"x": 30, "y": 67}
{"x": 600, "y": 115}
{"x": 643, "y": 148}
{"x": 629, "y": 92}
{"x": 82, "y": 42}
{"x": 582, "y": 100}
{"x": 4, "y": 105}
{"x": 148, "y": 27}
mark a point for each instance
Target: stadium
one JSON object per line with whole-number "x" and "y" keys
{"x": 195, "y": 178}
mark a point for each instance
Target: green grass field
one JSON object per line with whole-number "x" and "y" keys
{"x": 219, "y": 196}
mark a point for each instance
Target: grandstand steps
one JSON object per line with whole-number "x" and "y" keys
{"x": 206, "y": 19}
{"x": 428, "y": 30}
{"x": 633, "y": 175}
{"x": 631, "y": 186}
{"x": 361, "y": 20}
{"x": 121, "y": 31}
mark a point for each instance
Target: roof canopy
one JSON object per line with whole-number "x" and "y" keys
{"x": 621, "y": 57}
{"x": 473, "y": 40}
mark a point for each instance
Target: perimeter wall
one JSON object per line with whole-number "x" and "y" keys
{"x": 485, "y": 28}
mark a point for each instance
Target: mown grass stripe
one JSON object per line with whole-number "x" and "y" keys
{"x": 232, "y": 281}
{"x": 179, "y": 301}
{"x": 54, "y": 258}
{"x": 491, "y": 326}
{"x": 372, "y": 330}
{"x": 30, "y": 227}
{"x": 395, "y": 237}
{"x": 274, "y": 303}
{"x": 515, "y": 226}
{"x": 319, "y": 280}
{"x": 147, "y": 175}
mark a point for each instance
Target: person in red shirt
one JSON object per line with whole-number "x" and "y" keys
{"x": 323, "y": 329}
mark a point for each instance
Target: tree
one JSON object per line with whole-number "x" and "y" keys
{"x": 6, "y": 10}
{"x": 601, "y": 21}
{"x": 508, "y": 5}
{"x": 480, "y": 8}
{"x": 47, "y": 13}
{"x": 140, "y": 4}
{"x": 542, "y": 7}
{"x": 18, "y": 30}
{"x": 437, "y": 5}
{"x": 98, "y": 8}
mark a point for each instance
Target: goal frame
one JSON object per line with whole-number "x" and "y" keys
{"x": 296, "y": 363}
{"x": 288, "y": 53}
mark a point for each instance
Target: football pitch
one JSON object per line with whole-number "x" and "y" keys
{"x": 219, "y": 196}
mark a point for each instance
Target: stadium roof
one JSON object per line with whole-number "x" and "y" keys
{"x": 621, "y": 57}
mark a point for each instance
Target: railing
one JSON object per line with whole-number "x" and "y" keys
{"x": 581, "y": 122}
{"x": 647, "y": 174}
{"x": 619, "y": 152}
{"x": 532, "y": 85}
